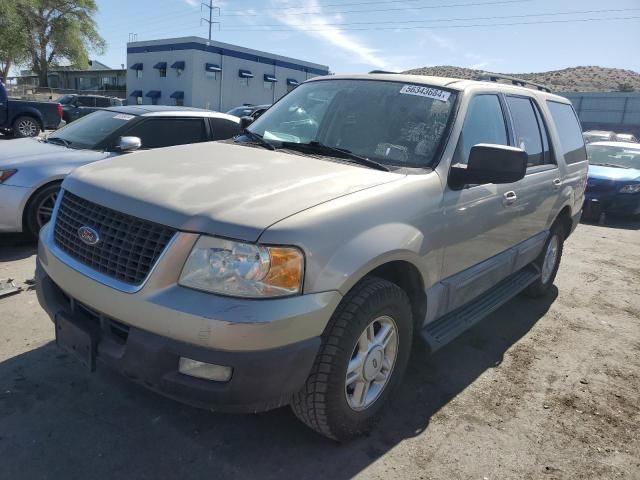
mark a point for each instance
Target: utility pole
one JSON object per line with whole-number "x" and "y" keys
{"x": 211, "y": 9}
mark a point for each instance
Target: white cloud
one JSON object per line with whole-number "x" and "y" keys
{"x": 316, "y": 25}
{"x": 192, "y": 3}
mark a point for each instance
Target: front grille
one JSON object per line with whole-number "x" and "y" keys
{"x": 128, "y": 246}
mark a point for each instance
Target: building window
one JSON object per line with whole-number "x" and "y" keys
{"x": 138, "y": 100}
{"x": 212, "y": 75}
{"x": 269, "y": 81}
{"x": 211, "y": 70}
{"x": 268, "y": 85}
{"x": 178, "y": 97}
{"x": 244, "y": 81}
{"x": 245, "y": 75}
{"x": 179, "y": 102}
{"x": 162, "y": 71}
{"x": 138, "y": 73}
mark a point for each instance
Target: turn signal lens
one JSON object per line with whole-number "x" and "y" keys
{"x": 286, "y": 268}
{"x": 5, "y": 174}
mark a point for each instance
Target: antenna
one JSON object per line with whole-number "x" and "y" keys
{"x": 210, "y": 21}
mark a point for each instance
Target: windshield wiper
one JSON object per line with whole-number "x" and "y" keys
{"x": 62, "y": 141}
{"x": 615, "y": 165}
{"x": 319, "y": 148}
{"x": 258, "y": 139}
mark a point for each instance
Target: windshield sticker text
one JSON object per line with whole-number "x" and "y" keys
{"x": 428, "y": 92}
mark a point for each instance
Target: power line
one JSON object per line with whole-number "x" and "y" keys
{"x": 428, "y": 27}
{"x": 256, "y": 12}
{"x": 436, "y": 20}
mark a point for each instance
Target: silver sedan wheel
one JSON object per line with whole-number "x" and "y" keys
{"x": 27, "y": 128}
{"x": 550, "y": 258}
{"x": 372, "y": 362}
{"x": 45, "y": 209}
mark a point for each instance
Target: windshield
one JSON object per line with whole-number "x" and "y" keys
{"x": 614, "y": 156}
{"x": 65, "y": 99}
{"x": 392, "y": 123}
{"x": 240, "y": 111}
{"x": 88, "y": 132}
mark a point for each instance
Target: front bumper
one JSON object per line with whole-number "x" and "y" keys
{"x": 12, "y": 202}
{"x": 261, "y": 380}
{"x": 616, "y": 203}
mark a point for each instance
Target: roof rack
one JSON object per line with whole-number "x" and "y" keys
{"x": 495, "y": 77}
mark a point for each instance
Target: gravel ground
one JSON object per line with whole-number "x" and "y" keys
{"x": 541, "y": 389}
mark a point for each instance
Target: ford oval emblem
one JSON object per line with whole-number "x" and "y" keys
{"x": 88, "y": 235}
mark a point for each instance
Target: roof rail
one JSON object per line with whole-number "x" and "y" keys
{"x": 495, "y": 77}
{"x": 382, "y": 71}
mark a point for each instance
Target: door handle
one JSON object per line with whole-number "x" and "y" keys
{"x": 509, "y": 198}
{"x": 557, "y": 183}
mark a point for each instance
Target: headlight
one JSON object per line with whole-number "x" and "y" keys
{"x": 630, "y": 188}
{"x": 243, "y": 269}
{"x": 5, "y": 174}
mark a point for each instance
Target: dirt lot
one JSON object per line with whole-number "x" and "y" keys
{"x": 541, "y": 389}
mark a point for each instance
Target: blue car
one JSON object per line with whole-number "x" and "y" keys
{"x": 613, "y": 185}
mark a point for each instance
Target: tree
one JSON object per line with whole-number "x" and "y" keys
{"x": 59, "y": 31}
{"x": 13, "y": 39}
{"x": 625, "y": 87}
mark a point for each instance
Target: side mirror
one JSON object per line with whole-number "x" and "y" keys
{"x": 128, "y": 144}
{"x": 245, "y": 122}
{"x": 490, "y": 164}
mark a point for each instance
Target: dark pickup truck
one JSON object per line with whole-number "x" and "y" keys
{"x": 23, "y": 118}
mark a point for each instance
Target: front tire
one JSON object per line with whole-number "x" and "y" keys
{"x": 548, "y": 261}
{"x": 26, "y": 127}
{"x": 364, "y": 353}
{"x": 40, "y": 208}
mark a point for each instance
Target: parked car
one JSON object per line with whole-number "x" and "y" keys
{"x": 22, "y": 118}
{"x": 626, "y": 137}
{"x": 31, "y": 170}
{"x": 598, "y": 136}
{"x": 614, "y": 179}
{"x": 77, "y": 106}
{"x": 294, "y": 264}
{"x": 253, "y": 111}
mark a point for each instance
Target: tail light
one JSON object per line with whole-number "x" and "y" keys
{"x": 60, "y": 110}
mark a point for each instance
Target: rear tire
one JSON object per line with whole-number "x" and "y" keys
{"x": 369, "y": 336}
{"x": 26, "y": 127}
{"x": 548, "y": 261}
{"x": 39, "y": 209}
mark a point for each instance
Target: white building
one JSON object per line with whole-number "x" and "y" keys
{"x": 192, "y": 71}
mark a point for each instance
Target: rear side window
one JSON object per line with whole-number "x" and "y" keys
{"x": 569, "y": 131}
{"x": 165, "y": 132}
{"x": 484, "y": 123}
{"x": 224, "y": 129}
{"x": 86, "y": 102}
{"x": 526, "y": 129}
{"x": 103, "y": 102}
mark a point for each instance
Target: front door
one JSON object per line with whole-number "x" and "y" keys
{"x": 479, "y": 218}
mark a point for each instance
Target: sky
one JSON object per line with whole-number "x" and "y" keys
{"x": 355, "y": 36}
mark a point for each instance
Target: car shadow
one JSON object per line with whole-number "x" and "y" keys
{"x": 616, "y": 221}
{"x": 16, "y": 246}
{"x": 103, "y": 426}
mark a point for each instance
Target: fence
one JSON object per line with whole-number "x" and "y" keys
{"x": 617, "y": 111}
{"x": 45, "y": 94}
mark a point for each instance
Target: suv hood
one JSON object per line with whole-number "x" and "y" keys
{"x": 217, "y": 188}
{"x": 32, "y": 152}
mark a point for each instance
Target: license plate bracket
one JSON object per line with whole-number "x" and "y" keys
{"x": 79, "y": 340}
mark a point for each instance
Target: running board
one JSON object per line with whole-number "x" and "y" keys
{"x": 441, "y": 331}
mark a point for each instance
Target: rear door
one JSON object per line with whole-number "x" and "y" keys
{"x": 4, "y": 105}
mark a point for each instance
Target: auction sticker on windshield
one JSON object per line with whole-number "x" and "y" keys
{"x": 428, "y": 92}
{"x": 122, "y": 116}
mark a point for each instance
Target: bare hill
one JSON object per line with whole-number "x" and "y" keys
{"x": 576, "y": 79}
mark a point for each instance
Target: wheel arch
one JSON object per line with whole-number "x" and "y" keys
{"x": 27, "y": 202}
{"x": 32, "y": 113}
{"x": 565, "y": 219}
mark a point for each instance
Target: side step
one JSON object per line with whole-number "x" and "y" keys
{"x": 441, "y": 331}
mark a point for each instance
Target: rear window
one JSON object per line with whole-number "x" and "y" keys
{"x": 569, "y": 131}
